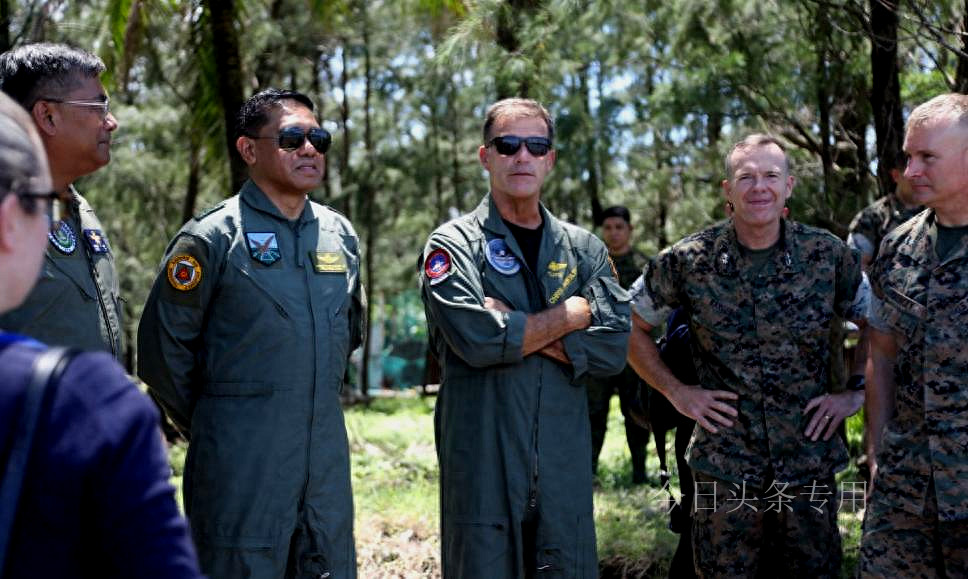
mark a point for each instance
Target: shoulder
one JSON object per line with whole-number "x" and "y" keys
{"x": 905, "y": 233}
{"x": 332, "y": 219}
{"x": 808, "y": 233}
{"x": 581, "y": 238}
{"x": 463, "y": 231}
{"x": 698, "y": 243}
{"x": 214, "y": 222}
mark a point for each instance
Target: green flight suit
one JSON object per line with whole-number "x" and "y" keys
{"x": 244, "y": 340}
{"x": 77, "y": 300}
{"x": 512, "y": 432}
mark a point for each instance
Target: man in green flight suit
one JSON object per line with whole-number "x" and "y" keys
{"x": 77, "y": 300}
{"x": 244, "y": 340}
{"x": 521, "y": 307}
{"x": 761, "y": 293}
{"x": 617, "y": 234}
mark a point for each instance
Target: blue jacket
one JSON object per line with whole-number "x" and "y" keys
{"x": 96, "y": 501}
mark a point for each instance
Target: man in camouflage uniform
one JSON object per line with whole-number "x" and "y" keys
{"x": 521, "y": 308}
{"x": 761, "y": 293}
{"x": 244, "y": 340}
{"x": 77, "y": 300}
{"x": 917, "y": 514}
{"x": 617, "y": 234}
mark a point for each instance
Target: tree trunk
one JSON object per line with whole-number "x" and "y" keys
{"x": 367, "y": 192}
{"x": 591, "y": 166}
{"x": 961, "y": 75}
{"x": 194, "y": 176}
{"x": 823, "y": 101}
{"x": 344, "y": 113}
{"x": 228, "y": 63}
{"x": 455, "y": 149}
{"x": 885, "y": 89}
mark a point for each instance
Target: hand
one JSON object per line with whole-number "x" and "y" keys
{"x": 577, "y": 313}
{"x": 496, "y": 304}
{"x": 706, "y": 407}
{"x": 831, "y": 410}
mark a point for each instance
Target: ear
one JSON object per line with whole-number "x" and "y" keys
{"x": 9, "y": 230}
{"x": 482, "y": 156}
{"x": 246, "y": 148}
{"x": 726, "y": 188}
{"x": 791, "y": 181}
{"x": 552, "y": 157}
{"x": 46, "y": 118}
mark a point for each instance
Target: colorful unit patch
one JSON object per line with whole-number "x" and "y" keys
{"x": 500, "y": 257}
{"x": 96, "y": 241}
{"x": 328, "y": 261}
{"x": 263, "y": 247}
{"x": 437, "y": 266}
{"x": 62, "y": 238}
{"x": 184, "y": 272}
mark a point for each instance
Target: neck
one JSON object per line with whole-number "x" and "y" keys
{"x": 757, "y": 236}
{"x": 521, "y": 212}
{"x": 61, "y": 183}
{"x": 620, "y": 251}
{"x": 952, "y": 216}
{"x": 290, "y": 204}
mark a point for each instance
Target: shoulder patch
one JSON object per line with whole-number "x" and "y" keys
{"x": 438, "y": 266}
{"x": 63, "y": 238}
{"x": 184, "y": 272}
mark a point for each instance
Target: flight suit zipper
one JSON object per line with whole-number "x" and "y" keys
{"x": 115, "y": 345}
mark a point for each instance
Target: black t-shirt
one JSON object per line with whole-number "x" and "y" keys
{"x": 948, "y": 239}
{"x": 529, "y": 240}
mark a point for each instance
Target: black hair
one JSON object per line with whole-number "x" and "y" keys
{"x": 617, "y": 211}
{"x": 34, "y": 71}
{"x": 254, "y": 113}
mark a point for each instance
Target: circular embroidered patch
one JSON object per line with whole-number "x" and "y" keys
{"x": 500, "y": 257}
{"x": 184, "y": 272}
{"x": 62, "y": 238}
{"x": 437, "y": 265}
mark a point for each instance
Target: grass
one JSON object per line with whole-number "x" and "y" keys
{"x": 394, "y": 469}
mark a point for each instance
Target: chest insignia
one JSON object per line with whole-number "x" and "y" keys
{"x": 557, "y": 269}
{"x": 328, "y": 261}
{"x": 437, "y": 267}
{"x": 263, "y": 247}
{"x": 555, "y": 297}
{"x": 500, "y": 257}
{"x": 184, "y": 272}
{"x": 96, "y": 240}
{"x": 62, "y": 237}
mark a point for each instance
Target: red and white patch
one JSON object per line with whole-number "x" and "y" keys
{"x": 437, "y": 266}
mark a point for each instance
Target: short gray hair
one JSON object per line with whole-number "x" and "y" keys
{"x": 751, "y": 142}
{"x": 23, "y": 161}
{"x": 950, "y": 106}
{"x": 517, "y": 108}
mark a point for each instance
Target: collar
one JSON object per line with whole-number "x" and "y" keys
{"x": 255, "y": 198}
{"x": 729, "y": 256}
{"x": 490, "y": 219}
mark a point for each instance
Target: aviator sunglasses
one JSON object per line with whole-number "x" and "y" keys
{"x": 292, "y": 138}
{"x": 511, "y": 144}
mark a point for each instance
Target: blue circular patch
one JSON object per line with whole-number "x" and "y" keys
{"x": 62, "y": 237}
{"x": 500, "y": 257}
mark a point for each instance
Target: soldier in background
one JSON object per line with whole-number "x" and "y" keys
{"x": 617, "y": 234}
{"x": 916, "y": 523}
{"x": 77, "y": 301}
{"x": 761, "y": 293}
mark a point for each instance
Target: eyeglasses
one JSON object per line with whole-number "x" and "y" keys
{"x": 104, "y": 106}
{"x": 54, "y": 207}
{"x": 292, "y": 138}
{"x": 511, "y": 144}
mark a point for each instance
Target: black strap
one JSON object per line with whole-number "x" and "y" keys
{"x": 47, "y": 370}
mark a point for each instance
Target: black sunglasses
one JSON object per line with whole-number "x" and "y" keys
{"x": 54, "y": 213}
{"x": 510, "y": 144}
{"x": 292, "y": 138}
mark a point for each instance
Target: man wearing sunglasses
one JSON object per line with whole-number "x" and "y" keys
{"x": 244, "y": 339}
{"x": 77, "y": 300}
{"x": 521, "y": 308}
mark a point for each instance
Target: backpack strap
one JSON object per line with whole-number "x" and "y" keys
{"x": 47, "y": 370}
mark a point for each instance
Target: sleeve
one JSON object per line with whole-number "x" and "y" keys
{"x": 852, "y": 297}
{"x": 138, "y": 529}
{"x": 453, "y": 296}
{"x": 170, "y": 332}
{"x": 862, "y": 233}
{"x": 358, "y": 310}
{"x": 600, "y": 350}
{"x": 655, "y": 293}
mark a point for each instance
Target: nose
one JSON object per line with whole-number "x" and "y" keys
{"x": 111, "y": 121}
{"x": 307, "y": 148}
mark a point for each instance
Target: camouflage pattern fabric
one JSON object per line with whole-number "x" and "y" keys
{"x": 874, "y": 222}
{"x": 921, "y": 300}
{"x": 898, "y": 544}
{"x": 765, "y": 337}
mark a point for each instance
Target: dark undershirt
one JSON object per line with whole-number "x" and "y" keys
{"x": 949, "y": 238}
{"x": 759, "y": 257}
{"x": 529, "y": 240}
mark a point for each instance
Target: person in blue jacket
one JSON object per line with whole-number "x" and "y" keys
{"x": 95, "y": 500}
